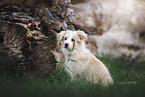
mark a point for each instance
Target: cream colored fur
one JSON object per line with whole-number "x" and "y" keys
{"x": 79, "y": 61}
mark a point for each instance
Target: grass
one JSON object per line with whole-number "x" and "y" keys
{"x": 129, "y": 81}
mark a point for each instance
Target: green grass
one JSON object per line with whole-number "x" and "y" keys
{"x": 129, "y": 81}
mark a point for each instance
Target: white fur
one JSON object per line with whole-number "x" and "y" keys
{"x": 83, "y": 63}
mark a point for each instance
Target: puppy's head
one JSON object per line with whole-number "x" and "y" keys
{"x": 70, "y": 40}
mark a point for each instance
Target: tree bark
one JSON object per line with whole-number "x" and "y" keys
{"x": 28, "y": 35}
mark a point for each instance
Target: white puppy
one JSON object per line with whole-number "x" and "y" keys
{"x": 79, "y": 61}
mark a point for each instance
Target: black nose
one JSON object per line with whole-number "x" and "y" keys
{"x": 66, "y": 45}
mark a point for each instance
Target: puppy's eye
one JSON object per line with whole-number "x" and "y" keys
{"x": 72, "y": 40}
{"x": 65, "y": 38}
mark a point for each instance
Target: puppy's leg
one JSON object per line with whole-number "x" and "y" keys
{"x": 70, "y": 73}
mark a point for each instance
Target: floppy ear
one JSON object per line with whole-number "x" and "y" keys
{"x": 82, "y": 35}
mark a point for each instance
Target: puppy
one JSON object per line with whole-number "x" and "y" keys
{"x": 79, "y": 61}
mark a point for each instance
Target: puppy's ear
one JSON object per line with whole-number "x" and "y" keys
{"x": 60, "y": 36}
{"x": 82, "y": 35}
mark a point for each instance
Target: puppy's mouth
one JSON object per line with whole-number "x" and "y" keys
{"x": 68, "y": 48}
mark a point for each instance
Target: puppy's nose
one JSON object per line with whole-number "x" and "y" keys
{"x": 66, "y": 45}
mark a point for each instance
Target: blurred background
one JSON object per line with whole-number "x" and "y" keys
{"x": 28, "y": 31}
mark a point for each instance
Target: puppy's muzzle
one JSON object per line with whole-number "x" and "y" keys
{"x": 66, "y": 45}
